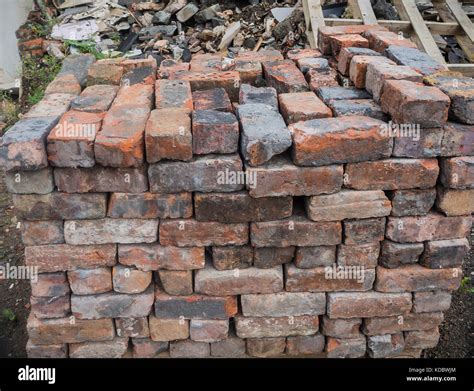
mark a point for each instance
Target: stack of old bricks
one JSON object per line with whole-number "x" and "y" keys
{"x": 258, "y": 209}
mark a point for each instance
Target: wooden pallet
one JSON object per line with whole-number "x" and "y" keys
{"x": 455, "y": 22}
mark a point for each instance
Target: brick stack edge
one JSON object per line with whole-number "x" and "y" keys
{"x": 148, "y": 246}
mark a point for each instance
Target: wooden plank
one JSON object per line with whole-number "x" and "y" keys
{"x": 310, "y": 34}
{"x": 461, "y": 17}
{"x": 314, "y": 11}
{"x": 465, "y": 69}
{"x": 367, "y": 13}
{"x": 408, "y": 10}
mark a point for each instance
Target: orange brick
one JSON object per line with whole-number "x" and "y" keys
{"x": 173, "y": 94}
{"x": 302, "y": 106}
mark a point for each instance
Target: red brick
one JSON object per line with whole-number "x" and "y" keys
{"x": 137, "y": 95}
{"x": 208, "y": 330}
{"x": 247, "y": 327}
{"x": 298, "y": 54}
{"x": 260, "y": 56}
{"x": 392, "y": 174}
{"x": 115, "y": 348}
{"x": 397, "y": 254}
{"x": 302, "y": 106}
{"x": 405, "y": 322}
{"x": 339, "y": 42}
{"x": 214, "y": 132}
{"x": 107, "y": 71}
{"x": 52, "y": 105}
{"x": 265, "y": 347}
{"x": 95, "y": 99}
{"x": 444, "y": 253}
{"x": 30, "y": 182}
{"x": 458, "y": 140}
{"x": 381, "y": 40}
{"x": 232, "y": 257}
{"x": 64, "y": 84}
{"x": 455, "y": 202}
{"x": 250, "y": 71}
{"x": 382, "y": 346}
{"x": 364, "y": 255}
{"x": 90, "y": 281}
{"x": 268, "y": 257}
{"x": 324, "y": 33}
{"x": 173, "y": 94}
{"x": 168, "y": 329}
{"x": 457, "y": 172}
{"x": 316, "y": 79}
{"x": 412, "y": 202}
{"x": 364, "y": 231}
{"x": 358, "y": 68}
{"x": 130, "y": 64}
{"x": 216, "y": 99}
{"x": 169, "y": 67}
{"x": 305, "y": 345}
{"x": 231, "y": 347}
{"x": 341, "y": 328}
{"x": 284, "y": 76}
{"x": 46, "y": 351}
{"x": 207, "y": 62}
{"x": 147, "y": 348}
{"x": 177, "y": 282}
{"x": 130, "y": 280}
{"x": 311, "y": 257}
{"x": 50, "y": 285}
{"x": 347, "y": 54}
{"x": 316, "y": 64}
{"x": 50, "y": 307}
{"x": 189, "y": 349}
{"x": 422, "y": 339}
{"x": 264, "y": 95}
{"x": 142, "y": 75}
{"x": 35, "y": 233}
{"x": 426, "y": 302}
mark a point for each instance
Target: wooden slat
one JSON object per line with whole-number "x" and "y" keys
{"x": 461, "y": 18}
{"x": 408, "y": 10}
{"x": 367, "y": 13}
{"x": 314, "y": 12}
{"x": 465, "y": 69}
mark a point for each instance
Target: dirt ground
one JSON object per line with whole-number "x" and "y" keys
{"x": 457, "y": 333}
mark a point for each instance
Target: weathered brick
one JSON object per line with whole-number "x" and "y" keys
{"x": 168, "y": 135}
{"x": 169, "y": 67}
{"x": 35, "y": 233}
{"x": 295, "y": 231}
{"x": 147, "y": 348}
{"x": 302, "y": 106}
{"x": 177, "y": 282}
{"x": 95, "y": 99}
{"x": 189, "y": 349}
{"x": 140, "y": 75}
{"x": 444, "y": 253}
{"x": 414, "y": 58}
{"x": 317, "y": 64}
{"x": 130, "y": 280}
{"x": 341, "y": 328}
{"x": 348, "y": 204}
{"x": 457, "y": 172}
{"x": 392, "y": 174}
{"x": 210, "y": 281}
{"x": 339, "y": 42}
{"x": 363, "y": 255}
{"x": 214, "y": 132}
{"x": 110, "y": 231}
{"x": 345, "y": 347}
{"x": 205, "y": 174}
{"x": 311, "y": 257}
{"x": 381, "y": 40}
{"x": 432, "y": 301}
{"x": 50, "y": 307}
{"x": 52, "y": 105}
{"x": 30, "y": 182}
{"x": 77, "y": 65}
{"x": 364, "y": 231}
{"x": 305, "y": 345}
{"x": 458, "y": 140}
{"x": 115, "y": 348}
{"x": 250, "y": 71}
{"x": 263, "y": 133}
{"x": 56, "y": 331}
{"x": 62, "y": 257}
{"x": 65, "y": 84}
{"x": 232, "y": 346}
{"x": 108, "y": 71}
{"x": 153, "y": 257}
{"x": 396, "y": 254}
{"x": 232, "y": 257}
{"x": 101, "y": 179}
{"x": 367, "y": 304}
{"x": 347, "y": 54}
{"x": 216, "y": 99}
{"x": 363, "y": 107}
{"x": 414, "y": 103}
{"x": 46, "y": 351}
{"x": 387, "y": 345}
{"x": 416, "y": 278}
{"x": 134, "y": 97}
{"x": 162, "y": 330}
{"x": 150, "y": 205}
{"x": 132, "y": 327}
{"x": 207, "y": 62}
{"x": 251, "y": 327}
{"x": 327, "y": 279}
{"x": 346, "y": 139}
{"x": 129, "y": 64}
{"x": 173, "y": 94}
{"x": 422, "y": 339}
{"x": 112, "y": 305}
{"x": 265, "y": 347}
{"x": 284, "y": 76}
{"x": 283, "y": 304}
{"x": 328, "y": 94}
{"x": 90, "y": 281}
{"x": 261, "y": 55}
{"x": 268, "y": 257}
{"x": 264, "y": 95}
{"x": 405, "y": 322}
{"x": 208, "y": 330}
{"x": 50, "y": 285}
{"x": 412, "y": 202}
{"x": 190, "y": 233}
{"x": 298, "y": 54}
{"x": 411, "y": 141}
{"x": 317, "y": 79}
{"x": 433, "y": 226}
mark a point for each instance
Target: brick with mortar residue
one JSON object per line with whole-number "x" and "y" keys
{"x": 417, "y": 143}
{"x": 132, "y": 327}
{"x": 30, "y": 182}
{"x": 317, "y": 80}
{"x": 365, "y": 107}
{"x": 454, "y": 202}
{"x": 130, "y": 280}
{"x": 387, "y": 345}
{"x": 90, "y": 281}
{"x": 339, "y": 42}
{"x": 50, "y": 307}
{"x": 264, "y": 95}
{"x": 215, "y": 99}
{"x": 46, "y": 351}
{"x": 95, "y": 99}
{"x": 263, "y": 327}
{"x": 147, "y": 348}
{"x": 65, "y": 84}
{"x": 177, "y": 282}
{"x": 173, "y": 94}
{"x": 52, "y": 105}
{"x": 265, "y": 347}
{"x": 284, "y": 76}
{"x": 381, "y": 40}
{"x": 341, "y": 328}
{"x": 406, "y": 322}
{"x": 208, "y": 330}
{"x": 214, "y": 132}
{"x": 50, "y": 285}
{"x": 364, "y": 231}
{"x": 414, "y": 58}
{"x": 444, "y": 253}
{"x": 232, "y": 257}
{"x": 458, "y": 140}
{"x": 311, "y": 257}
{"x": 162, "y": 330}
{"x": 363, "y": 255}
{"x": 432, "y": 301}
{"x": 298, "y": 54}
{"x": 108, "y": 71}
{"x": 457, "y": 172}
{"x": 115, "y": 348}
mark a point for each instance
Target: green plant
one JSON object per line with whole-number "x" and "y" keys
{"x": 9, "y": 314}
{"x": 86, "y": 46}
{"x": 9, "y": 110}
{"x": 466, "y": 285}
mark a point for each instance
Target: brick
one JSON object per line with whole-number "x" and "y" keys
{"x": 23, "y": 146}
{"x": 348, "y": 53}
{"x": 30, "y": 182}
{"x": 416, "y": 278}
{"x": 162, "y": 330}
{"x": 311, "y": 257}
{"x": 107, "y": 71}
{"x": 216, "y": 99}
{"x": 414, "y": 58}
{"x": 328, "y": 94}
{"x": 432, "y": 301}
{"x": 250, "y": 71}
{"x": 367, "y": 304}
{"x": 132, "y": 327}
{"x": 444, "y": 253}
{"x": 363, "y": 255}
{"x": 112, "y": 305}
{"x": 95, "y": 99}
{"x": 210, "y": 281}
{"x": 71, "y": 142}
{"x": 194, "y": 306}
{"x": 58, "y": 331}
{"x": 457, "y": 172}
{"x": 153, "y": 257}
{"x": 317, "y": 80}
{"x": 409, "y": 102}
{"x": 305, "y": 345}
{"x": 146, "y": 348}
{"x": 128, "y": 280}
{"x": 50, "y": 307}
{"x": 455, "y": 202}
{"x": 341, "y": 328}
{"x": 134, "y": 97}
{"x": 263, "y": 133}
{"x": 412, "y": 202}
{"x": 378, "y": 72}
{"x": 228, "y": 80}
{"x": 302, "y": 106}
{"x": 317, "y": 64}
{"x": 387, "y": 345}
{"x": 346, "y": 139}
{"x": 268, "y": 257}
{"x": 207, "y": 62}
{"x": 396, "y": 254}
{"x": 173, "y": 94}
{"x": 101, "y": 179}
{"x": 189, "y": 349}
{"x": 284, "y": 76}
{"x": 169, "y": 67}
{"x": 417, "y": 143}
{"x": 77, "y": 65}
{"x": 265, "y": 347}
{"x": 50, "y": 285}
{"x": 230, "y": 347}
{"x": 232, "y": 257}
{"x": 52, "y": 105}
{"x": 90, "y": 281}
{"x": 206, "y": 330}
{"x": 324, "y": 279}
{"x": 405, "y": 322}
{"x": 141, "y": 75}
{"x": 251, "y": 327}
{"x": 261, "y": 55}
{"x": 150, "y": 205}
{"x": 62, "y": 257}
{"x": 295, "y": 231}
{"x": 339, "y": 42}
{"x": 177, "y": 282}
{"x": 115, "y": 348}
{"x": 63, "y": 83}
{"x": 130, "y": 64}
{"x": 381, "y": 40}
{"x": 264, "y": 95}
{"x": 240, "y": 207}
{"x": 348, "y": 204}
{"x": 55, "y": 206}
{"x": 364, "y": 107}
{"x": 392, "y": 174}
{"x": 192, "y": 233}
{"x": 46, "y": 351}
{"x": 204, "y": 174}
{"x": 110, "y": 231}
{"x": 283, "y": 304}
{"x": 364, "y": 231}
{"x": 345, "y": 347}
{"x": 433, "y": 226}
{"x": 298, "y": 54}
{"x": 422, "y": 339}
{"x": 458, "y": 140}
{"x": 214, "y": 132}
